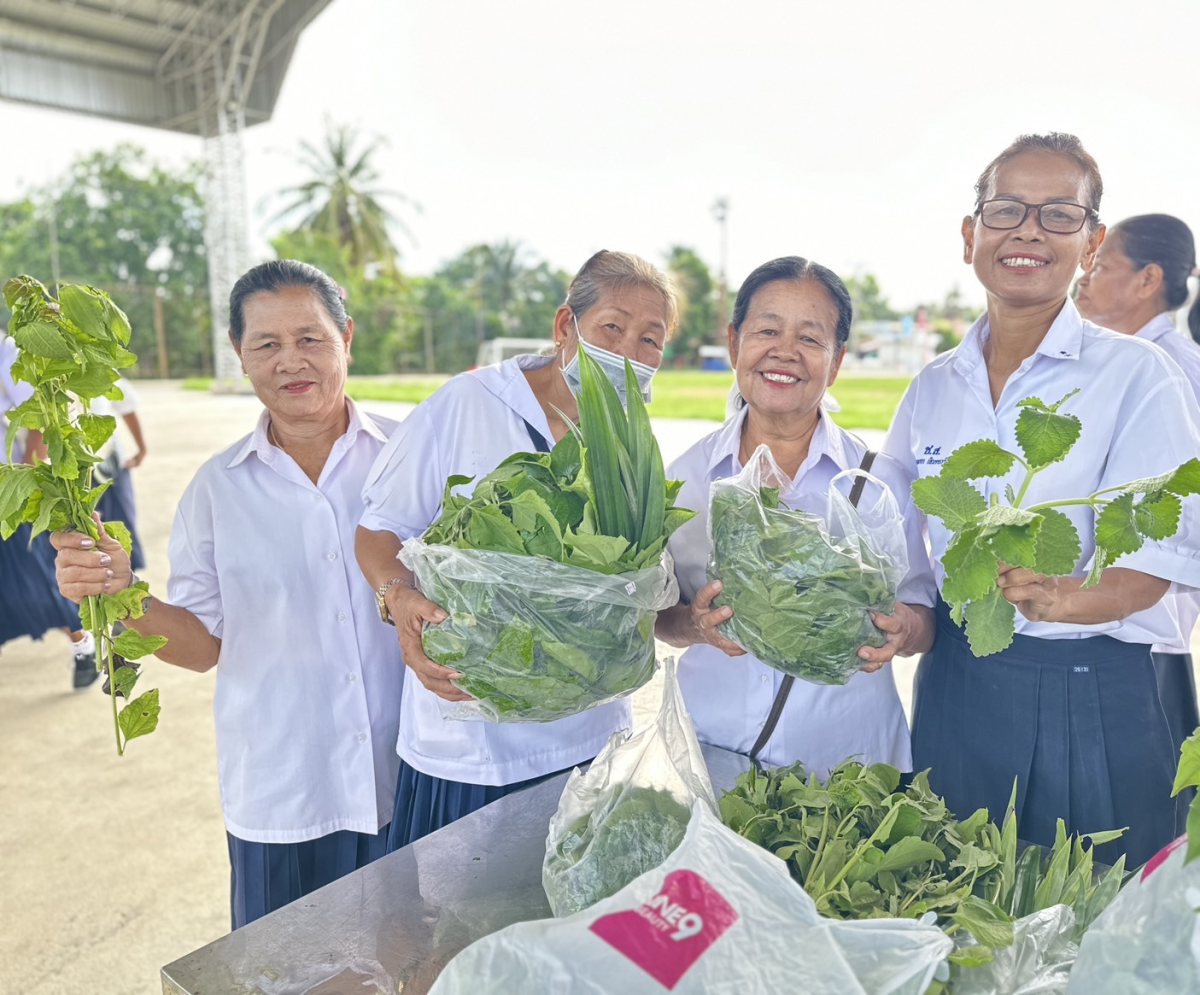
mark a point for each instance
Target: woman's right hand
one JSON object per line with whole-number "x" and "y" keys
{"x": 84, "y": 567}
{"x": 699, "y": 620}
{"x": 410, "y": 610}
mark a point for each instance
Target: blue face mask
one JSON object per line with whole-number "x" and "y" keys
{"x": 613, "y": 366}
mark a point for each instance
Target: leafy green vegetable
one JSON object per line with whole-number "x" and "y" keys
{"x": 864, "y": 849}
{"x": 633, "y": 830}
{"x": 1188, "y": 776}
{"x": 801, "y": 599}
{"x": 598, "y": 502}
{"x": 985, "y": 535}
{"x": 71, "y": 350}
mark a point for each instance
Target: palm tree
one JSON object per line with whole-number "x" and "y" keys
{"x": 340, "y": 200}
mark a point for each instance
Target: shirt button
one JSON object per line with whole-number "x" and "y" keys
{"x": 331, "y": 555}
{"x": 765, "y": 679}
{"x": 341, "y": 616}
{"x": 352, "y": 678}
{"x": 362, "y": 737}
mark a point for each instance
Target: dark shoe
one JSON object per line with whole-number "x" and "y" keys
{"x": 85, "y": 670}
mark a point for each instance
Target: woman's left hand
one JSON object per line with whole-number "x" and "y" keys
{"x": 909, "y": 630}
{"x": 1038, "y": 597}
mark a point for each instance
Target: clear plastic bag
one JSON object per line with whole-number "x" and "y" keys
{"x": 630, "y": 810}
{"x": 720, "y": 915}
{"x": 538, "y": 640}
{"x": 1147, "y": 942}
{"x": 1037, "y": 963}
{"x": 802, "y": 586}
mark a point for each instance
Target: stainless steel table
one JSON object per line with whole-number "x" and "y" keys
{"x": 392, "y": 926}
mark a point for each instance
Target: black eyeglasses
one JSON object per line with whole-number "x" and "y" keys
{"x": 1062, "y": 219}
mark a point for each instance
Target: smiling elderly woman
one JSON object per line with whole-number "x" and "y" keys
{"x": 264, "y": 588}
{"x": 787, "y": 340}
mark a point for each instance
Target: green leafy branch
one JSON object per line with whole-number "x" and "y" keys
{"x": 71, "y": 350}
{"x": 1041, "y": 538}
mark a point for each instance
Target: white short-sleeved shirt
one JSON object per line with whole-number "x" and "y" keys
{"x": 308, "y": 680}
{"x": 1139, "y": 418}
{"x": 469, "y": 426}
{"x": 729, "y": 698}
{"x": 1162, "y": 332}
{"x": 11, "y": 394}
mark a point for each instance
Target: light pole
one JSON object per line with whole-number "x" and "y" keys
{"x": 720, "y": 211}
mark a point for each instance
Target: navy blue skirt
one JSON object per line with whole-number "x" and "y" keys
{"x": 117, "y": 505}
{"x": 267, "y": 876}
{"x": 1077, "y": 722}
{"x": 1177, "y": 692}
{"x": 425, "y": 803}
{"x": 30, "y": 604}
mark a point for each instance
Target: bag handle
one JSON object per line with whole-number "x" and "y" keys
{"x": 785, "y": 687}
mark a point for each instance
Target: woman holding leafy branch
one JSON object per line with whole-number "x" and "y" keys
{"x": 1021, "y": 441}
{"x": 787, "y": 340}
{"x": 618, "y": 307}
{"x": 308, "y": 678}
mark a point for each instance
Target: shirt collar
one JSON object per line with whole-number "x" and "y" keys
{"x": 507, "y": 382}
{"x": 1063, "y": 339}
{"x": 258, "y": 443}
{"x": 828, "y": 440}
{"x": 1156, "y": 328}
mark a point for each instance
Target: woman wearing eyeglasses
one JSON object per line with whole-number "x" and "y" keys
{"x": 1070, "y": 709}
{"x": 1139, "y": 279}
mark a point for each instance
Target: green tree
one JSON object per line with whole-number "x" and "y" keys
{"x": 119, "y": 221}
{"x": 869, "y": 302}
{"x": 695, "y": 290}
{"x": 340, "y": 198}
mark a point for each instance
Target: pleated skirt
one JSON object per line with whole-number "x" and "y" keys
{"x": 117, "y": 505}
{"x": 425, "y": 803}
{"x": 30, "y": 604}
{"x": 1177, "y": 693}
{"x": 267, "y": 876}
{"x": 1077, "y": 722}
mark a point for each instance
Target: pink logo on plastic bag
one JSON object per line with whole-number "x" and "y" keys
{"x": 1160, "y": 858}
{"x": 668, "y": 934}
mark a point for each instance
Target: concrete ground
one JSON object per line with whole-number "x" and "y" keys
{"x": 117, "y": 866}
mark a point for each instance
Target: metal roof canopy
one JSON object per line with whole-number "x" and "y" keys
{"x": 202, "y": 67}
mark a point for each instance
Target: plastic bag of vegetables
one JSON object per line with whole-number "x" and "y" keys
{"x": 802, "y": 585}
{"x": 630, "y": 811}
{"x": 553, "y": 570}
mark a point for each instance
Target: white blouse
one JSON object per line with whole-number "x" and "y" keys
{"x": 729, "y": 697}
{"x": 308, "y": 680}
{"x": 1183, "y": 349}
{"x": 469, "y": 426}
{"x": 1139, "y": 418}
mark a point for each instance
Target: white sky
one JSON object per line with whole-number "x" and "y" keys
{"x": 849, "y": 131}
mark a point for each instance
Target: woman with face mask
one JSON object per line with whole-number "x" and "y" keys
{"x": 1071, "y": 708}
{"x": 618, "y": 307}
{"x": 1139, "y": 280}
{"x": 787, "y": 341}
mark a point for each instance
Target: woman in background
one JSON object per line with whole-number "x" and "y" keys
{"x": 1138, "y": 282}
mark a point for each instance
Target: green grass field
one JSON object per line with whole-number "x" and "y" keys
{"x": 867, "y": 402}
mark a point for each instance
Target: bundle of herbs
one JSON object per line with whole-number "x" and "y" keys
{"x": 70, "y": 351}
{"x": 986, "y": 532}
{"x": 863, "y": 849}
{"x": 553, "y": 570}
{"x": 801, "y": 595}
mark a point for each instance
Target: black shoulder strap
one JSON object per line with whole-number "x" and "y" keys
{"x": 785, "y": 687}
{"x": 539, "y": 441}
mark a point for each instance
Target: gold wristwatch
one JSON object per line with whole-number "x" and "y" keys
{"x": 381, "y": 598}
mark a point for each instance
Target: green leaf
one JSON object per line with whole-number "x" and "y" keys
{"x": 1193, "y": 831}
{"x": 45, "y": 339}
{"x": 973, "y": 956}
{"x": 999, "y": 514}
{"x": 97, "y": 429}
{"x": 952, "y": 500}
{"x": 990, "y": 624}
{"x": 1187, "y": 775}
{"x": 984, "y": 921}
{"x": 1101, "y": 558}
{"x": 118, "y": 531}
{"x": 124, "y": 678}
{"x": 133, "y": 645}
{"x": 1116, "y": 528}
{"x": 982, "y": 458}
{"x": 909, "y": 852}
{"x": 1186, "y": 479}
{"x": 971, "y": 566}
{"x": 1046, "y": 438}
{"x": 126, "y": 603}
{"x": 84, "y": 307}
{"x": 1016, "y": 545}
{"x": 17, "y": 485}
{"x": 1158, "y": 518}
{"x": 140, "y": 716}
{"x": 1058, "y": 545}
